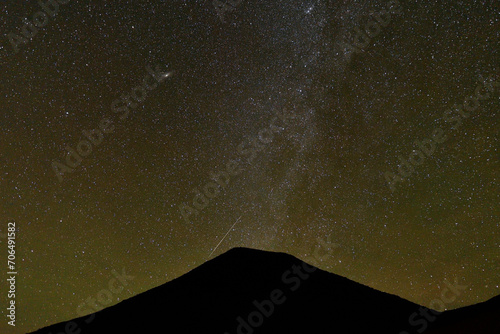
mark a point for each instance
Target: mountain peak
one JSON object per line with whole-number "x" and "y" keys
{"x": 244, "y": 289}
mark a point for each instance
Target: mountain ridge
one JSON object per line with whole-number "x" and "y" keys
{"x": 248, "y": 291}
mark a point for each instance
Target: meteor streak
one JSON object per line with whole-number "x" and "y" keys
{"x": 224, "y": 237}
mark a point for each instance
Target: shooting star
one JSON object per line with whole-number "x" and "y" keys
{"x": 224, "y": 237}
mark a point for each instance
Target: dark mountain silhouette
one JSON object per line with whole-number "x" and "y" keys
{"x": 251, "y": 291}
{"x": 479, "y": 318}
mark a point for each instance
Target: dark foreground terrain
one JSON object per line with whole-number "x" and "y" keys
{"x": 248, "y": 291}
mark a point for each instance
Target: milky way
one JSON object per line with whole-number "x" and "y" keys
{"x": 310, "y": 102}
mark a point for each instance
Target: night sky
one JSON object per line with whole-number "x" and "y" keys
{"x": 275, "y": 98}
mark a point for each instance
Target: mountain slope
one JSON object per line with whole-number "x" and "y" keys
{"x": 480, "y": 318}
{"x": 251, "y": 291}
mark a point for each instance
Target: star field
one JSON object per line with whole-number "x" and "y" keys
{"x": 338, "y": 116}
